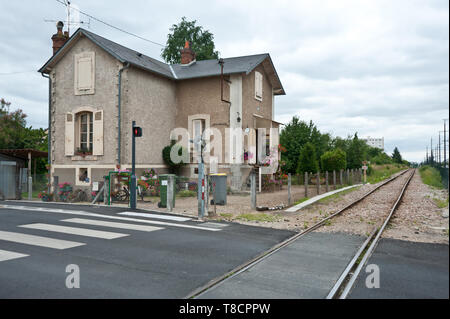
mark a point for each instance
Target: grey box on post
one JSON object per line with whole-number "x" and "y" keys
{"x": 220, "y": 188}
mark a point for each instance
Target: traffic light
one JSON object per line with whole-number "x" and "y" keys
{"x": 137, "y": 131}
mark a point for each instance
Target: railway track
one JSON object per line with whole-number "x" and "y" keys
{"x": 346, "y": 278}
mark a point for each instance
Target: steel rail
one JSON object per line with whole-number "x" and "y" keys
{"x": 366, "y": 253}
{"x": 241, "y": 268}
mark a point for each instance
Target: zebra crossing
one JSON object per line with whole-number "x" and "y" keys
{"x": 80, "y": 227}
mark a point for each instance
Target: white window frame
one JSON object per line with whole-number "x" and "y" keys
{"x": 77, "y": 176}
{"x": 90, "y": 134}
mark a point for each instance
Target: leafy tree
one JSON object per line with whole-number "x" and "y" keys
{"x": 381, "y": 159}
{"x": 307, "y": 161}
{"x": 334, "y": 160}
{"x": 12, "y": 127}
{"x": 201, "y": 42}
{"x": 356, "y": 152}
{"x": 294, "y": 136}
{"x": 396, "y": 156}
{"x": 14, "y": 134}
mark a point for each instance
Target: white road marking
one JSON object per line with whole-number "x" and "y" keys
{"x": 38, "y": 240}
{"x": 112, "y": 224}
{"x": 83, "y": 213}
{"x": 8, "y": 255}
{"x": 215, "y": 225}
{"x": 158, "y": 216}
{"x": 76, "y": 231}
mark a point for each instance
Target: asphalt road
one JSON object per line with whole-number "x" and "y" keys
{"x": 119, "y": 256}
{"x": 408, "y": 270}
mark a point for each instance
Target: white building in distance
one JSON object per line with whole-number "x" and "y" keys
{"x": 375, "y": 142}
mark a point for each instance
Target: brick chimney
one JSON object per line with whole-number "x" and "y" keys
{"x": 187, "y": 55}
{"x": 59, "y": 38}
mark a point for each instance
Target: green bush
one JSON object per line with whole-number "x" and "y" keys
{"x": 334, "y": 160}
{"x": 187, "y": 193}
{"x": 382, "y": 159}
{"x": 307, "y": 161}
{"x": 173, "y": 167}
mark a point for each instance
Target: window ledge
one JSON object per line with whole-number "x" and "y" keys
{"x": 84, "y": 158}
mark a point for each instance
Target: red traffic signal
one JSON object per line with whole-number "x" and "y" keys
{"x": 137, "y": 131}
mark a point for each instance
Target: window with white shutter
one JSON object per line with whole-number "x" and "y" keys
{"x": 98, "y": 133}
{"x": 69, "y": 138}
{"x": 84, "y": 82}
{"x": 258, "y": 86}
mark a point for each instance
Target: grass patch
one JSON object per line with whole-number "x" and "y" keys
{"x": 381, "y": 172}
{"x": 304, "y": 199}
{"x": 34, "y": 194}
{"x": 336, "y": 196}
{"x": 186, "y": 193}
{"x": 227, "y": 216}
{"x": 431, "y": 176}
{"x": 440, "y": 203}
{"x": 259, "y": 217}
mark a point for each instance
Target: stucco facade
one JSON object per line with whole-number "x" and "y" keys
{"x": 157, "y": 102}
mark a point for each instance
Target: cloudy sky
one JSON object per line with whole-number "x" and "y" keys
{"x": 379, "y": 68}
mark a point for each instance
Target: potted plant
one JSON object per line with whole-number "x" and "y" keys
{"x": 83, "y": 151}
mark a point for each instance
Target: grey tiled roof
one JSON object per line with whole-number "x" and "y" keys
{"x": 212, "y": 67}
{"x": 125, "y": 54}
{"x": 243, "y": 64}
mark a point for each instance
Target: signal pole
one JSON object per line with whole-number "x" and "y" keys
{"x": 135, "y": 132}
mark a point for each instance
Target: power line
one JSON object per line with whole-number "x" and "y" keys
{"x": 112, "y": 26}
{"x": 19, "y": 72}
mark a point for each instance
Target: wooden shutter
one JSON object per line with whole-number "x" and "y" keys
{"x": 258, "y": 85}
{"x": 84, "y": 73}
{"x": 252, "y": 146}
{"x": 69, "y": 138}
{"x": 98, "y": 133}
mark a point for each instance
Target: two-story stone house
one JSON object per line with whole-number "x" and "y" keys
{"x": 98, "y": 87}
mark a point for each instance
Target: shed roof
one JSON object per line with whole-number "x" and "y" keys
{"x": 23, "y": 153}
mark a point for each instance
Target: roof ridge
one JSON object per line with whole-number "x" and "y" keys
{"x": 95, "y": 34}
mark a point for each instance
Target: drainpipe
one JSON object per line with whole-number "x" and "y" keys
{"x": 49, "y": 132}
{"x": 127, "y": 65}
{"x": 221, "y": 62}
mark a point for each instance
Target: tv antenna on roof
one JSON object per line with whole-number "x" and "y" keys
{"x": 75, "y": 20}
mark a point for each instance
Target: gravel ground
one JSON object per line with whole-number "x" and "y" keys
{"x": 240, "y": 204}
{"x": 418, "y": 218}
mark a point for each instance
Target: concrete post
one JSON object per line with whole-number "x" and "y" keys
{"x": 289, "y": 189}
{"x": 105, "y": 190}
{"x": 253, "y": 189}
{"x": 318, "y": 182}
{"x": 306, "y": 184}
{"x": 340, "y": 177}
{"x": 334, "y": 179}
{"x": 326, "y": 181}
{"x": 30, "y": 188}
{"x": 347, "y": 177}
{"x": 170, "y": 190}
{"x": 55, "y": 188}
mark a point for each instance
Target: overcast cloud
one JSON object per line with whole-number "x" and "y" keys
{"x": 379, "y": 68}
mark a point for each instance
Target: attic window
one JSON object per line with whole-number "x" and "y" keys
{"x": 258, "y": 86}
